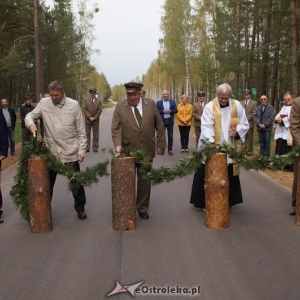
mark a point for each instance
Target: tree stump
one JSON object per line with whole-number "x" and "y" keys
{"x": 123, "y": 193}
{"x": 298, "y": 196}
{"x": 217, "y": 192}
{"x": 39, "y": 196}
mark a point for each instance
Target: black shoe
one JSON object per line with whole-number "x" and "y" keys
{"x": 293, "y": 212}
{"x": 1, "y": 219}
{"x": 144, "y": 215}
{"x": 81, "y": 215}
{"x": 95, "y": 150}
{"x": 88, "y": 150}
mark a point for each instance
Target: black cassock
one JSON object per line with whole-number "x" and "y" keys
{"x": 198, "y": 192}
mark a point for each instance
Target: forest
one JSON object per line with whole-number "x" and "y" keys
{"x": 61, "y": 50}
{"x": 248, "y": 44}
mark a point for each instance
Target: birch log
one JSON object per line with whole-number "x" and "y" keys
{"x": 39, "y": 196}
{"x": 217, "y": 192}
{"x": 123, "y": 194}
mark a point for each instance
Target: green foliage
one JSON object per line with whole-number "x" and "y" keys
{"x": 19, "y": 191}
{"x": 188, "y": 165}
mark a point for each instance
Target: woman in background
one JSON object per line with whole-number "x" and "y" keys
{"x": 184, "y": 122}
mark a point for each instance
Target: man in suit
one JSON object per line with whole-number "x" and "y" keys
{"x": 137, "y": 125}
{"x": 92, "y": 107}
{"x": 198, "y": 107}
{"x": 264, "y": 117}
{"x": 10, "y": 117}
{"x": 167, "y": 109}
{"x": 295, "y": 132}
{"x": 3, "y": 152}
{"x": 249, "y": 106}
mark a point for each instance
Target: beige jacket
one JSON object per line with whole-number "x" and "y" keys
{"x": 63, "y": 127}
{"x": 91, "y": 109}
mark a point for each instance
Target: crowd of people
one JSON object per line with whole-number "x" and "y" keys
{"x": 140, "y": 123}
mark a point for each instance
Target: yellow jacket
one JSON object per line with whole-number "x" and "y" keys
{"x": 184, "y": 114}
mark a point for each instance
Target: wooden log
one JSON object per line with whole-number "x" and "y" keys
{"x": 217, "y": 192}
{"x": 39, "y": 196}
{"x": 298, "y": 195}
{"x": 123, "y": 194}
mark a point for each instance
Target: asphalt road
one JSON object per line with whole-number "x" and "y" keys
{"x": 257, "y": 257}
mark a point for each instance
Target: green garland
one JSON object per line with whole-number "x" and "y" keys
{"x": 19, "y": 191}
{"x": 189, "y": 164}
{"x": 186, "y": 166}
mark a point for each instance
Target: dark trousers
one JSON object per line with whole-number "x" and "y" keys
{"x": 264, "y": 142}
{"x": 198, "y": 191}
{"x": 0, "y": 193}
{"x": 184, "y": 136}
{"x": 95, "y": 127}
{"x": 169, "y": 126}
{"x": 143, "y": 192}
{"x": 79, "y": 195}
{"x": 11, "y": 138}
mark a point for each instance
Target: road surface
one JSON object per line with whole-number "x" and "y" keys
{"x": 257, "y": 257}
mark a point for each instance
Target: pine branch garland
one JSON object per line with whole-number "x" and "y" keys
{"x": 19, "y": 191}
{"x": 186, "y": 166}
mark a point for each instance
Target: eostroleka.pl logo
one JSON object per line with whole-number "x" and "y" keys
{"x": 137, "y": 289}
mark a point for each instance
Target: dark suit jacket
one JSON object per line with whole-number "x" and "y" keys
{"x": 92, "y": 109}
{"x": 295, "y": 121}
{"x": 250, "y": 110}
{"x": 197, "y": 113}
{"x": 3, "y": 135}
{"x": 267, "y": 117}
{"x": 173, "y": 108}
{"x": 24, "y": 110}
{"x": 127, "y": 133}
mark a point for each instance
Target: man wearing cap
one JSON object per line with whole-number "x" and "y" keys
{"x": 26, "y": 108}
{"x": 249, "y": 106}
{"x": 197, "y": 113}
{"x": 137, "y": 125}
{"x": 167, "y": 109}
{"x": 92, "y": 107}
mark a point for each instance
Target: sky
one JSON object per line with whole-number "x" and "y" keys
{"x": 127, "y": 34}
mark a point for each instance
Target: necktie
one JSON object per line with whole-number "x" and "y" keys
{"x": 138, "y": 116}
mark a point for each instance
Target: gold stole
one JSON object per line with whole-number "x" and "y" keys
{"x": 218, "y": 118}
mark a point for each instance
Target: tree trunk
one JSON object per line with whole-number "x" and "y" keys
{"x": 263, "y": 90}
{"x": 39, "y": 73}
{"x": 217, "y": 192}
{"x": 294, "y": 35}
{"x": 39, "y": 196}
{"x": 123, "y": 193}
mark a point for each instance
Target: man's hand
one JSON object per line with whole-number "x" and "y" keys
{"x": 80, "y": 158}
{"x": 160, "y": 151}
{"x": 118, "y": 149}
{"x": 33, "y": 129}
{"x": 92, "y": 119}
{"x": 2, "y": 157}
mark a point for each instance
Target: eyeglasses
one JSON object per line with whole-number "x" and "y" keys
{"x": 263, "y": 99}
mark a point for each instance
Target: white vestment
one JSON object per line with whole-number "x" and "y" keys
{"x": 207, "y": 124}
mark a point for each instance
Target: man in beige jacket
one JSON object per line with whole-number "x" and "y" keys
{"x": 64, "y": 134}
{"x": 137, "y": 125}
